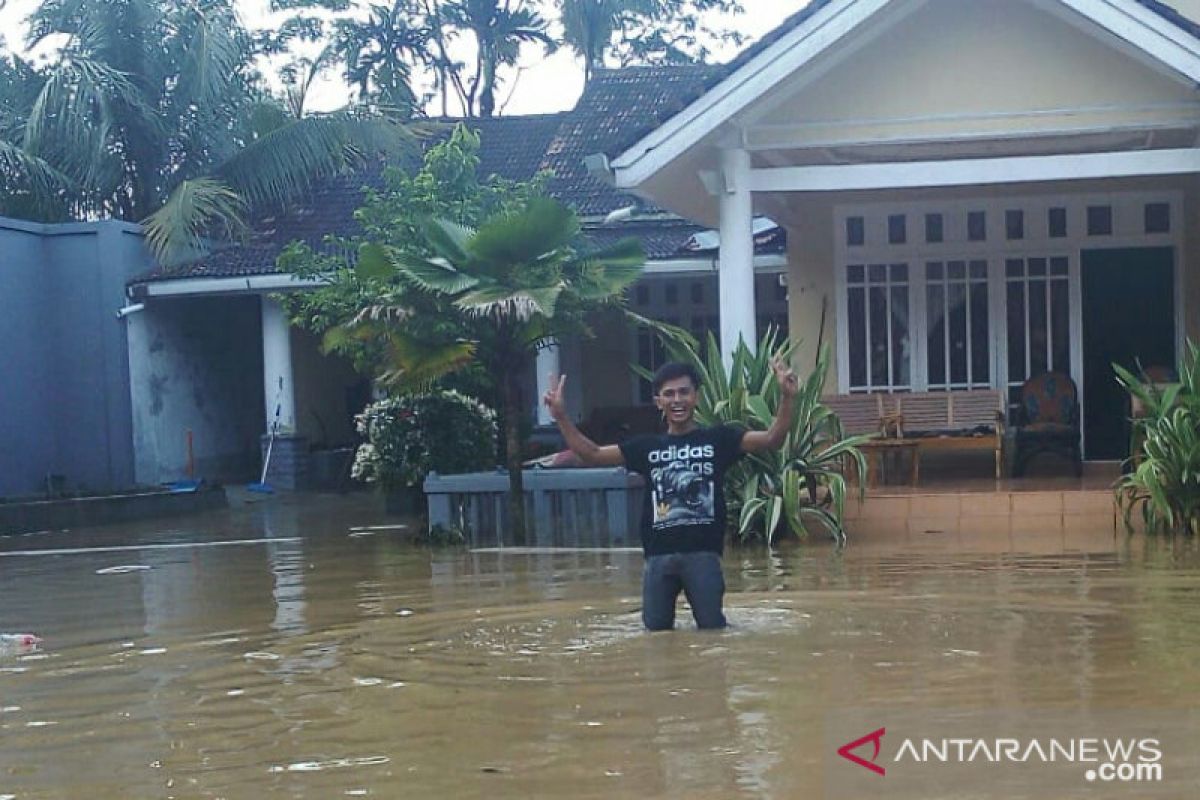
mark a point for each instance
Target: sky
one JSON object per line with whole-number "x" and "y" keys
{"x": 544, "y": 85}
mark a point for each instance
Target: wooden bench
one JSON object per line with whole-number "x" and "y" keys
{"x": 967, "y": 420}
{"x": 964, "y": 420}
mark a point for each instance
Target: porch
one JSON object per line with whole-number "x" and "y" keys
{"x": 983, "y": 512}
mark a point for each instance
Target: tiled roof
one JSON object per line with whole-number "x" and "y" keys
{"x": 510, "y": 147}
{"x": 671, "y": 238}
{"x": 618, "y": 108}
{"x": 615, "y": 105}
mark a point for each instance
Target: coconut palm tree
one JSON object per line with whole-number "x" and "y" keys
{"x": 154, "y": 110}
{"x": 522, "y": 282}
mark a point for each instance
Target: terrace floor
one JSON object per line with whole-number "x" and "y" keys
{"x": 948, "y": 503}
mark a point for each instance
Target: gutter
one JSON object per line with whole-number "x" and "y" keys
{"x": 247, "y": 284}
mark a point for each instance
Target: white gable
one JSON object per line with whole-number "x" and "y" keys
{"x": 979, "y": 68}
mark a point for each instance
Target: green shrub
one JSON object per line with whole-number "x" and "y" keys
{"x": 1165, "y": 481}
{"x": 410, "y": 436}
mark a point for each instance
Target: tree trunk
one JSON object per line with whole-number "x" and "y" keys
{"x": 516, "y": 478}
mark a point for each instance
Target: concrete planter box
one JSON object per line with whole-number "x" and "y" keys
{"x": 82, "y": 512}
{"x": 563, "y": 507}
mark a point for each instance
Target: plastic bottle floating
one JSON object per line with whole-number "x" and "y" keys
{"x": 18, "y": 642}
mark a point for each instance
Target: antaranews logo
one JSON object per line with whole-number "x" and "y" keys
{"x": 846, "y": 751}
{"x": 1108, "y": 760}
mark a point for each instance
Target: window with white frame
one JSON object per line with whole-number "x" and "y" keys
{"x": 972, "y": 293}
{"x": 1038, "y": 303}
{"x": 879, "y": 327}
{"x": 957, "y": 324}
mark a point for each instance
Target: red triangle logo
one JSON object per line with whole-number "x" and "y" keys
{"x": 846, "y": 751}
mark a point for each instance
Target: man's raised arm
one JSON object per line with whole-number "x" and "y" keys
{"x": 590, "y": 453}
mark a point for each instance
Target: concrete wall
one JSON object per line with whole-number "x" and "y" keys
{"x": 196, "y": 364}
{"x": 64, "y": 398}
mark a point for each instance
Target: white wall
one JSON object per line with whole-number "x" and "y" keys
{"x": 196, "y": 364}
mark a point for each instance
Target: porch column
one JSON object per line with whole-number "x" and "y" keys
{"x": 289, "y": 451}
{"x": 736, "y": 275}
{"x": 279, "y": 390}
{"x": 548, "y": 363}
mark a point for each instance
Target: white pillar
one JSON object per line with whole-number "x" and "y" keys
{"x": 548, "y": 363}
{"x": 279, "y": 390}
{"x": 736, "y": 274}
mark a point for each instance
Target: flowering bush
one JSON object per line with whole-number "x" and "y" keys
{"x": 408, "y": 437}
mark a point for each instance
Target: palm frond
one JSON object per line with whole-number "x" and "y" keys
{"x": 196, "y": 209}
{"x": 434, "y": 276}
{"x": 287, "y": 160}
{"x": 542, "y": 227}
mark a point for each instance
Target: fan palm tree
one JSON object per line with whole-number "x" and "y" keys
{"x": 153, "y": 109}
{"x": 521, "y": 282}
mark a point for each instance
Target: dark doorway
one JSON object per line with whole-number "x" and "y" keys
{"x": 1128, "y": 319}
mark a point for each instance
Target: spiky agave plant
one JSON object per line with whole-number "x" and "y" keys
{"x": 1164, "y": 484}
{"x": 801, "y": 483}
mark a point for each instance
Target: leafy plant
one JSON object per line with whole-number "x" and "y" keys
{"x": 802, "y": 482}
{"x": 1164, "y": 484}
{"x": 408, "y": 437}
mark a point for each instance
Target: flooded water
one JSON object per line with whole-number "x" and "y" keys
{"x": 282, "y": 650}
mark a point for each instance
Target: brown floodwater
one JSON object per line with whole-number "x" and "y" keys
{"x": 275, "y": 650}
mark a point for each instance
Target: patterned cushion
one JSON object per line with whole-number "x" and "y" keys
{"x": 1049, "y": 399}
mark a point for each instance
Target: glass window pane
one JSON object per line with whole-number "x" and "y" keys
{"x": 1039, "y": 345}
{"x": 1057, "y": 222}
{"x": 856, "y": 231}
{"x": 956, "y": 270}
{"x": 878, "y": 336}
{"x": 878, "y": 273}
{"x": 933, "y": 228}
{"x": 856, "y": 314}
{"x": 956, "y": 294}
{"x": 855, "y": 273}
{"x": 697, "y": 292}
{"x": 977, "y": 226}
{"x": 1058, "y": 266}
{"x": 934, "y": 270}
{"x": 1016, "y": 332}
{"x": 899, "y": 273}
{"x": 1158, "y": 218}
{"x": 1099, "y": 221}
{"x": 981, "y": 364}
{"x": 897, "y": 229}
{"x": 979, "y": 270}
{"x": 936, "y": 312}
{"x": 1060, "y": 314}
{"x": 1014, "y": 267}
{"x": 1014, "y": 223}
{"x": 1037, "y": 266}
{"x": 900, "y": 346}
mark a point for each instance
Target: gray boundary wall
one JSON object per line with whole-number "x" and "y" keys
{"x": 563, "y": 507}
{"x": 64, "y": 375}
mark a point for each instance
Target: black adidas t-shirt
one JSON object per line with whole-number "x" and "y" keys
{"x": 684, "y": 509}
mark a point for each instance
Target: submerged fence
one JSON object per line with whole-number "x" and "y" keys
{"x": 563, "y": 507}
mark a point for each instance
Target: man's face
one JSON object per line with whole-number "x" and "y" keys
{"x": 677, "y": 400}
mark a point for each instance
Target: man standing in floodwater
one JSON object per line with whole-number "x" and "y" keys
{"x": 683, "y": 519}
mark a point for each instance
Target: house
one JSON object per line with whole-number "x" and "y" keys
{"x": 949, "y": 193}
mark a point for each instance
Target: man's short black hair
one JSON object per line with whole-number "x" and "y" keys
{"x": 672, "y": 370}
